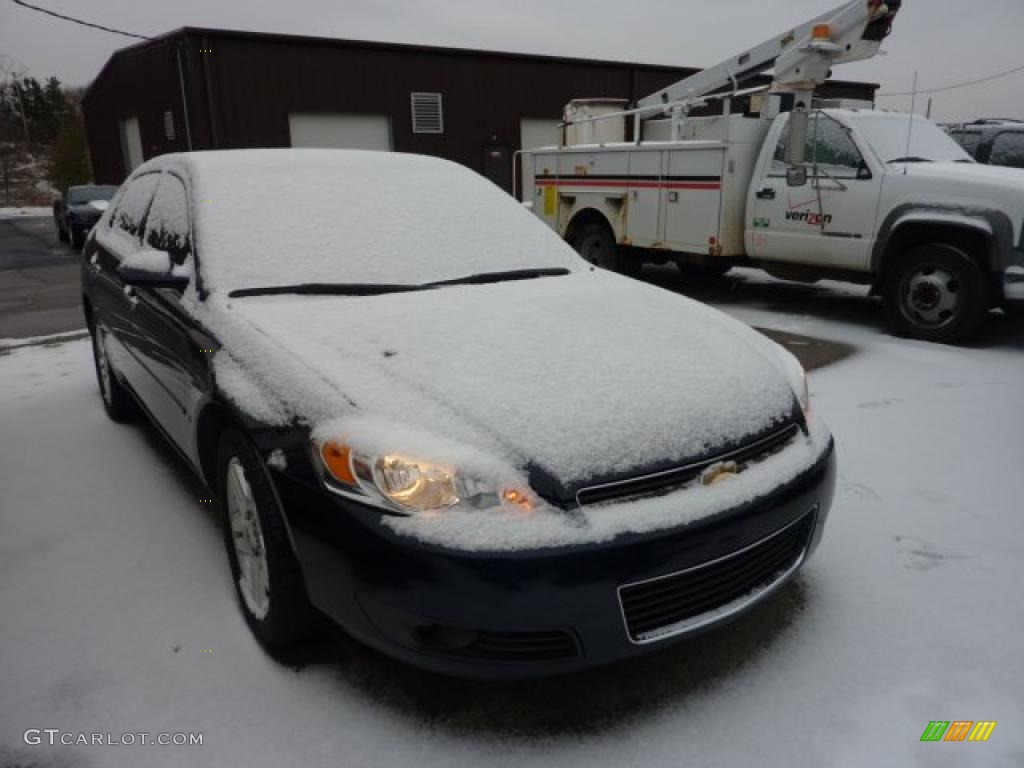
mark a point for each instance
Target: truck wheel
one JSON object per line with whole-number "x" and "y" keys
{"x": 594, "y": 242}
{"x": 267, "y": 578}
{"x": 935, "y": 292}
{"x": 117, "y": 401}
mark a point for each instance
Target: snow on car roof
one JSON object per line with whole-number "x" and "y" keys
{"x": 288, "y": 216}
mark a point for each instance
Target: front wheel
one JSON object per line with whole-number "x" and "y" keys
{"x": 76, "y": 236}
{"x": 62, "y": 234}
{"x": 595, "y": 243}
{"x": 117, "y": 401}
{"x": 267, "y": 578}
{"x": 935, "y": 292}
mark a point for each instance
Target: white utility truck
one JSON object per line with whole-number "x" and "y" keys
{"x": 804, "y": 190}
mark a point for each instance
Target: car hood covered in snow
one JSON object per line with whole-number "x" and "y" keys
{"x": 585, "y": 376}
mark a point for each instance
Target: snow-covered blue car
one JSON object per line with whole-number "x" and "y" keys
{"x": 425, "y": 416}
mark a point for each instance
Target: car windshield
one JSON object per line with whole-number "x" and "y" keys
{"x": 347, "y": 222}
{"x": 79, "y": 195}
{"x": 897, "y": 138}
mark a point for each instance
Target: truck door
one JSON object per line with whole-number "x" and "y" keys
{"x": 643, "y": 198}
{"x": 831, "y": 220}
{"x": 692, "y": 199}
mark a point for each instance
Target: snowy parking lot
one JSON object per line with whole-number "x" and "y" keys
{"x": 117, "y": 614}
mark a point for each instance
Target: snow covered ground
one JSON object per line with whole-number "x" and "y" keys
{"x": 11, "y": 213}
{"x": 117, "y": 615}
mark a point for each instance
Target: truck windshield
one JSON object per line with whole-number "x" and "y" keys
{"x": 888, "y": 133}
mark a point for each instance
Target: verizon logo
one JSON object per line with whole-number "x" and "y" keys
{"x": 814, "y": 219}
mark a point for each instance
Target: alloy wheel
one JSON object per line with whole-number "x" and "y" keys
{"x": 247, "y": 538}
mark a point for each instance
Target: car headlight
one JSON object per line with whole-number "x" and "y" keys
{"x": 410, "y": 484}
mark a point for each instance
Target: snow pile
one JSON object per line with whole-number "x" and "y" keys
{"x": 14, "y": 213}
{"x": 282, "y": 217}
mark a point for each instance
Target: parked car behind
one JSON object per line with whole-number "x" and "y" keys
{"x": 78, "y": 210}
{"x": 992, "y": 141}
{"x": 423, "y": 415}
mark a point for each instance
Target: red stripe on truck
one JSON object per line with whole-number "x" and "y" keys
{"x": 710, "y": 185}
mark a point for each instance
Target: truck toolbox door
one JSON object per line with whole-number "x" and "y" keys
{"x": 830, "y": 221}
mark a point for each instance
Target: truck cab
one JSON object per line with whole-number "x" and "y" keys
{"x": 891, "y": 200}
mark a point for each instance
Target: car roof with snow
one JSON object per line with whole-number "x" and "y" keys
{"x": 255, "y": 212}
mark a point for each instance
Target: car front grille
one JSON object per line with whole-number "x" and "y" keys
{"x": 661, "y": 483}
{"x": 681, "y": 602}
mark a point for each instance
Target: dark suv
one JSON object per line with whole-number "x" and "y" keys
{"x": 992, "y": 141}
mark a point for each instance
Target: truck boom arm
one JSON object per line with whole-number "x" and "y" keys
{"x": 802, "y": 57}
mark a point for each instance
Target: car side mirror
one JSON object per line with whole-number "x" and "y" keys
{"x": 796, "y": 176}
{"x": 152, "y": 268}
{"x": 796, "y": 144}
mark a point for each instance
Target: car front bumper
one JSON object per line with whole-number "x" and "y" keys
{"x": 543, "y": 612}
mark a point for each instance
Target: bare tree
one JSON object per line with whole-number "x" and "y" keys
{"x": 13, "y": 72}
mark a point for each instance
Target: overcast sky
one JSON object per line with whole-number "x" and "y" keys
{"x": 948, "y": 41}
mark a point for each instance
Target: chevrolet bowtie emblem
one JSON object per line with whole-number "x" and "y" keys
{"x": 719, "y": 473}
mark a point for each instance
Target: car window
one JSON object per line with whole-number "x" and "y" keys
{"x": 167, "y": 225}
{"x": 87, "y": 194}
{"x": 969, "y": 140}
{"x": 131, "y": 209}
{"x": 829, "y": 146}
{"x": 1008, "y": 149}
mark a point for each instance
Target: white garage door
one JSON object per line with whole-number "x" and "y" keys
{"x": 535, "y": 133}
{"x": 131, "y": 144}
{"x": 340, "y": 131}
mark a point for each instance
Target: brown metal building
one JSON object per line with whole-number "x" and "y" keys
{"x": 216, "y": 89}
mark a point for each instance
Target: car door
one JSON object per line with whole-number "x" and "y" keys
{"x": 169, "y": 351}
{"x": 114, "y": 304}
{"x": 830, "y": 221}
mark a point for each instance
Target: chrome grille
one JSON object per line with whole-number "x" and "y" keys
{"x": 660, "y": 483}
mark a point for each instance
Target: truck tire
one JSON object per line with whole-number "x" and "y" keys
{"x": 595, "y": 243}
{"x": 935, "y": 292}
{"x": 268, "y": 581}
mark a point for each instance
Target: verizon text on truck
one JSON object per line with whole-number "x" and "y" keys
{"x": 804, "y": 190}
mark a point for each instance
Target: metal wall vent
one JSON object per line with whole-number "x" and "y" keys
{"x": 427, "y": 115}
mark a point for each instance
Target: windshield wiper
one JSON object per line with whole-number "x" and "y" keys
{"x": 376, "y": 289}
{"x": 499, "y": 277}
{"x": 911, "y": 160}
{"x": 324, "y": 289}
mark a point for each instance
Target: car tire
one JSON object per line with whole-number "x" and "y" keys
{"x": 62, "y": 234}
{"x": 266, "y": 574}
{"x": 935, "y": 292}
{"x": 595, "y": 243}
{"x": 117, "y": 400}
{"x": 76, "y": 236}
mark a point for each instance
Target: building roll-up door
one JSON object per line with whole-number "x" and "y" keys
{"x": 131, "y": 144}
{"x": 535, "y": 133}
{"x": 338, "y": 131}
